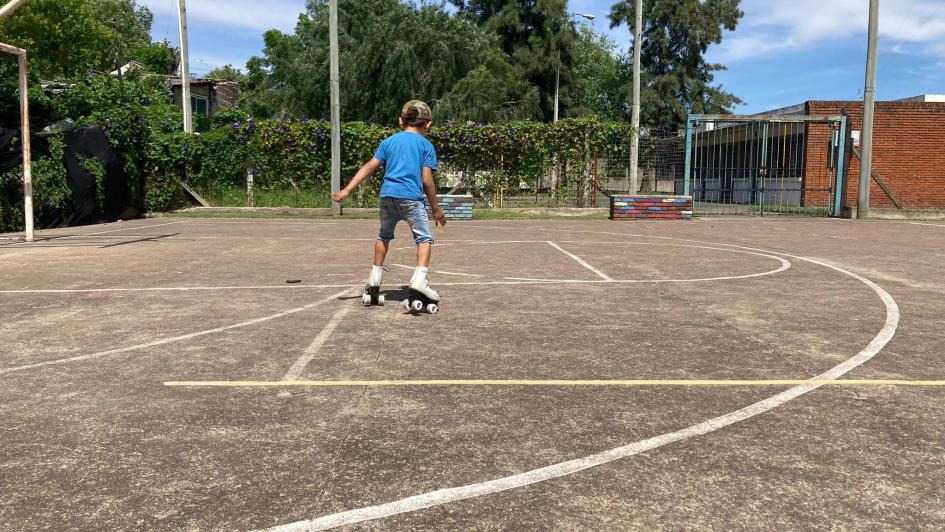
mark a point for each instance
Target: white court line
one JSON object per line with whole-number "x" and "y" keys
{"x": 785, "y": 265}
{"x": 47, "y": 237}
{"x": 404, "y": 266}
{"x": 581, "y": 261}
{"x": 126, "y": 229}
{"x": 165, "y": 341}
{"x": 447, "y": 495}
{"x": 930, "y": 225}
{"x": 312, "y": 350}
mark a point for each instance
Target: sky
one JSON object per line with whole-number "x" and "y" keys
{"x": 782, "y": 53}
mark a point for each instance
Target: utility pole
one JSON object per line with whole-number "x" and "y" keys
{"x": 557, "y": 85}
{"x": 635, "y": 146}
{"x": 869, "y": 101}
{"x": 185, "y": 68}
{"x": 335, "y": 105}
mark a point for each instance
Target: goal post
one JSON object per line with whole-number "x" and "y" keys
{"x": 25, "y": 138}
{"x": 20, "y": 54}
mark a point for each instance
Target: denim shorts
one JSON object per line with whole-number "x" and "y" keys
{"x": 414, "y": 212}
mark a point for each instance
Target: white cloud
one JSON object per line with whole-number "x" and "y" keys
{"x": 253, "y": 14}
{"x": 774, "y": 26}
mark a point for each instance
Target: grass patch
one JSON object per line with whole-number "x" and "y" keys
{"x": 478, "y": 214}
{"x": 302, "y": 198}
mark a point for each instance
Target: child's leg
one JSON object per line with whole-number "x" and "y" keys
{"x": 420, "y": 226}
{"x": 380, "y": 251}
{"x": 424, "y": 250}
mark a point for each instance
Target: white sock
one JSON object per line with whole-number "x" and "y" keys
{"x": 377, "y": 274}
{"x": 420, "y": 273}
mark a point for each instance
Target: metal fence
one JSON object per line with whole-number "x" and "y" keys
{"x": 582, "y": 185}
{"x": 765, "y": 164}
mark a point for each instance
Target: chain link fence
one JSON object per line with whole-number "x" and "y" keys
{"x": 586, "y": 183}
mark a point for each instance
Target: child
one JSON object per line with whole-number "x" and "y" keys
{"x": 410, "y": 160}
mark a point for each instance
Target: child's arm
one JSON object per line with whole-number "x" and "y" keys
{"x": 429, "y": 187}
{"x": 365, "y": 172}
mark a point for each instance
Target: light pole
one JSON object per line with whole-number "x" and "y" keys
{"x": 588, "y": 16}
{"x": 869, "y": 100}
{"x": 554, "y": 172}
{"x": 185, "y": 67}
{"x": 635, "y": 118}
{"x": 335, "y": 98}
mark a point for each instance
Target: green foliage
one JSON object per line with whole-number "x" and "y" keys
{"x": 226, "y": 73}
{"x": 676, "y": 79}
{"x": 536, "y": 35}
{"x": 144, "y": 126}
{"x": 296, "y": 155}
{"x": 158, "y": 57}
{"x": 42, "y": 108}
{"x": 50, "y": 187}
{"x": 602, "y": 78}
{"x": 95, "y": 168}
{"x": 391, "y": 52}
{"x": 67, "y": 38}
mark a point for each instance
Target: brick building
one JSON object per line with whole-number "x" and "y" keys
{"x": 760, "y": 162}
{"x": 908, "y": 149}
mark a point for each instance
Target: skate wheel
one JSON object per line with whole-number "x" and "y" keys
{"x": 406, "y": 304}
{"x": 366, "y": 299}
{"x": 433, "y": 308}
{"x": 381, "y": 300}
{"x": 417, "y": 306}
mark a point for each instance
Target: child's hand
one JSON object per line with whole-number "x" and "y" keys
{"x": 439, "y": 216}
{"x": 338, "y": 196}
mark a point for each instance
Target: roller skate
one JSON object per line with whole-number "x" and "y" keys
{"x": 421, "y": 297}
{"x": 372, "y": 287}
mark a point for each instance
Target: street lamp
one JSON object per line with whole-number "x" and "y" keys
{"x": 588, "y": 16}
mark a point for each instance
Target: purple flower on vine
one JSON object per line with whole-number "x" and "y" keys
{"x": 236, "y": 125}
{"x": 304, "y": 120}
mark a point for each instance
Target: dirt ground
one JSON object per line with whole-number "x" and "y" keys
{"x": 161, "y": 374}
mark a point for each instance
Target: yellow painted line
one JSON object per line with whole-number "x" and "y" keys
{"x": 626, "y": 383}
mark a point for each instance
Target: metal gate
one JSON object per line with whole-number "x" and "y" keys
{"x": 757, "y": 165}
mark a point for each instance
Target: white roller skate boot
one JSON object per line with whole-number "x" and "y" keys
{"x": 372, "y": 287}
{"x": 421, "y": 297}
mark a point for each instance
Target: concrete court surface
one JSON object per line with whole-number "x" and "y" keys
{"x": 582, "y": 375}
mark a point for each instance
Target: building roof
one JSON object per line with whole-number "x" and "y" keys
{"x": 925, "y": 98}
{"x": 801, "y": 108}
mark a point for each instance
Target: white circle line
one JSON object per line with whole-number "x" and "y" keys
{"x": 785, "y": 265}
{"x": 447, "y": 495}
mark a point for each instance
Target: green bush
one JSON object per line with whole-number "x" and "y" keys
{"x": 290, "y": 159}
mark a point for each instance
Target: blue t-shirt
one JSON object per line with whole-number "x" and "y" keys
{"x": 404, "y": 157}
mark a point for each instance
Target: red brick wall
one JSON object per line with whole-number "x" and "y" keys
{"x": 908, "y": 151}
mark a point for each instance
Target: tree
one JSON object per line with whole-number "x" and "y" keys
{"x": 390, "y": 52}
{"x": 227, "y": 73}
{"x": 602, "y": 77}
{"x": 492, "y": 92}
{"x": 68, "y": 38}
{"x": 676, "y": 79}
{"x": 536, "y": 35}
{"x": 158, "y": 57}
